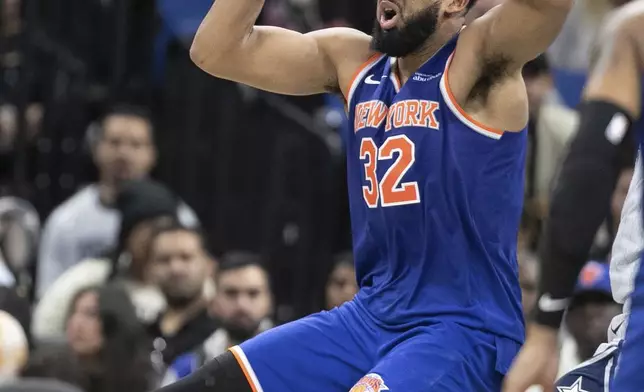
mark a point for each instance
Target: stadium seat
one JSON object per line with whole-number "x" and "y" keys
{"x": 37, "y": 385}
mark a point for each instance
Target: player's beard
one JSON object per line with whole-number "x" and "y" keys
{"x": 181, "y": 299}
{"x": 239, "y": 333}
{"x": 408, "y": 38}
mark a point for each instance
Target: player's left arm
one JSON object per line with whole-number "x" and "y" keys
{"x": 517, "y": 31}
{"x": 485, "y": 72}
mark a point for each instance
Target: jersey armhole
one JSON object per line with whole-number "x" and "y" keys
{"x": 459, "y": 112}
{"x": 358, "y": 76}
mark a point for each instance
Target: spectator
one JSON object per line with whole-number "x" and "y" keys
{"x": 243, "y": 302}
{"x": 589, "y": 315}
{"x": 145, "y": 206}
{"x": 181, "y": 266}
{"x": 573, "y": 47}
{"x": 13, "y": 346}
{"x": 86, "y": 225}
{"x": 342, "y": 285}
{"x": 551, "y": 126}
{"x": 37, "y": 385}
{"x": 19, "y": 235}
{"x": 54, "y": 363}
{"x": 18, "y": 307}
{"x": 105, "y": 334}
{"x": 528, "y": 277}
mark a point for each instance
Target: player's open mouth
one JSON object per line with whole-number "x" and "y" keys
{"x": 388, "y": 14}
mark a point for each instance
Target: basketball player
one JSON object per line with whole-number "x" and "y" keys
{"x": 611, "y": 111}
{"x": 435, "y": 170}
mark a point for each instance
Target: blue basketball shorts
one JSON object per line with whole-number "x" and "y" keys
{"x": 594, "y": 375}
{"x": 345, "y": 350}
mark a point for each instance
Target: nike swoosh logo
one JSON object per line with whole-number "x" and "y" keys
{"x": 370, "y": 80}
{"x": 548, "y": 304}
{"x": 614, "y": 330}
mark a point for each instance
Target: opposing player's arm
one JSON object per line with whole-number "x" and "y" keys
{"x": 580, "y": 202}
{"x": 228, "y": 45}
{"x": 602, "y": 147}
{"x": 517, "y": 31}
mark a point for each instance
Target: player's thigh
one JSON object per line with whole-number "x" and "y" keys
{"x": 445, "y": 358}
{"x": 594, "y": 375}
{"x": 322, "y": 352}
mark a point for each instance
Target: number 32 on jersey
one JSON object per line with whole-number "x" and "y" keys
{"x": 389, "y": 191}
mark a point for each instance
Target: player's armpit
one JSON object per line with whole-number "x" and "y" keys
{"x": 517, "y": 31}
{"x": 288, "y": 62}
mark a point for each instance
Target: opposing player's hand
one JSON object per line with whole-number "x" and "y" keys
{"x": 536, "y": 363}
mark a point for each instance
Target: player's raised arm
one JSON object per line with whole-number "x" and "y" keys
{"x": 229, "y": 45}
{"x": 517, "y": 31}
{"x": 580, "y": 203}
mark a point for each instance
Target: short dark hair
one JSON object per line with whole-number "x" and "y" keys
{"x": 471, "y": 4}
{"x": 178, "y": 227}
{"x": 125, "y": 109}
{"x": 235, "y": 260}
{"x": 343, "y": 258}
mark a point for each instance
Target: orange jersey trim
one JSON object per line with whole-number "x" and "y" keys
{"x": 364, "y": 65}
{"x": 249, "y": 379}
{"x": 458, "y": 107}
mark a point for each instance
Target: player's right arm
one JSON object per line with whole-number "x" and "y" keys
{"x": 229, "y": 45}
{"x": 581, "y": 200}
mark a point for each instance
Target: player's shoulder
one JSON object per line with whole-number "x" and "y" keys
{"x": 340, "y": 37}
{"x": 472, "y": 36}
{"x": 348, "y": 49}
{"x": 482, "y": 86}
{"x": 344, "y": 44}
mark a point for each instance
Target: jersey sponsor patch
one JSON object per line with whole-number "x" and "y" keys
{"x": 370, "y": 383}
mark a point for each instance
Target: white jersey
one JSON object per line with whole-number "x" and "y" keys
{"x": 626, "y": 253}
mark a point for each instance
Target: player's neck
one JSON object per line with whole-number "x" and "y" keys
{"x": 175, "y": 317}
{"x": 408, "y": 65}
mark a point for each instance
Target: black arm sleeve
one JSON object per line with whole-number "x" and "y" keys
{"x": 602, "y": 147}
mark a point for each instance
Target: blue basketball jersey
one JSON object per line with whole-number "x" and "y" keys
{"x": 629, "y": 373}
{"x": 435, "y": 200}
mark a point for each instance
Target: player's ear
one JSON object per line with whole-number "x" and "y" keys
{"x": 455, "y": 7}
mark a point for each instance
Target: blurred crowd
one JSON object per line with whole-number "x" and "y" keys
{"x": 152, "y": 216}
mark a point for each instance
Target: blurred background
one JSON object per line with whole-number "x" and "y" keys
{"x": 152, "y": 215}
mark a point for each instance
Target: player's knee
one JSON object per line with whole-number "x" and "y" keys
{"x": 222, "y": 374}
